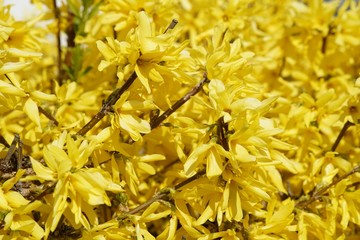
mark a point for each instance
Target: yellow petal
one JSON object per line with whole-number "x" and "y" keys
{"x": 5, "y": 32}
{"x": 104, "y": 134}
{"x": 56, "y": 159}
{"x": 146, "y": 168}
{"x": 275, "y": 178}
{"x": 8, "y": 184}
{"x": 115, "y": 170}
{"x": 105, "y": 50}
{"x": 11, "y": 90}
{"x": 155, "y": 76}
{"x": 15, "y": 199}
{"x": 152, "y": 157}
{"x": 14, "y": 52}
{"x": 134, "y": 125}
{"x": 41, "y": 96}
{"x": 13, "y": 67}
{"x": 42, "y": 171}
{"x": 205, "y": 215}
{"x": 3, "y": 203}
{"x": 32, "y": 111}
{"x": 151, "y": 209}
{"x": 325, "y": 98}
{"x": 156, "y": 216}
{"x": 345, "y": 214}
{"x": 144, "y": 33}
{"x": 28, "y": 225}
{"x": 195, "y": 158}
{"x": 90, "y": 191}
{"x": 235, "y": 209}
{"x": 307, "y": 99}
{"x": 214, "y": 166}
{"x": 143, "y": 72}
{"x": 242, "y": 155}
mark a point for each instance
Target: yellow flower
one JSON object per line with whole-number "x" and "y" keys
{"x": 84, "y": 187}
{"x": 212, "y": 154}
{"x": 126, "y": 116}
{"x": 18, "y": 210}
{"x": 279, "y": 219}
{"x": 150, "y": 55}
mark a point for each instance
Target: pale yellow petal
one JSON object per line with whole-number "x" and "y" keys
{"x": 14, "y": 52}
{"x": 142, "y": 72}
{"x": 13, "y": 67}
{"x": 195, "y": 158}
{"x": 214, "y": 166}
{"x": 41, "y": 96}
{"x": 15, "y": 199}
{"x": 42, "y": 171}
{"x": 32, "y": 111}
{"x": 134, "y": 125}
{"x": 144, "y": 33}
{"x": 11, "y": 90}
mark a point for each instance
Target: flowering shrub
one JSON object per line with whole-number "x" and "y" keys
{"x": 180, "y": 119}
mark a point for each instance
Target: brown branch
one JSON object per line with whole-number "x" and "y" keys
{"x": 107, "y": 105}
{"x": 164, "y": 169}
{"x": 221, "y": 132}
{"x": 341, "y": 135}
{"x": 189, "y": 180}
{"x": 48, "y": 115}
{"x": 179, "y": 103}
{"x": 47, "y": 191}
{"x": 19, "y": 152}
{"x": 317, "y": 194}
{"x": 4, "y": 142}
{"x": 12, "y": 149}
{"x": 163, "y": 195}
{"x": 58, "y": 41}
{"x": 171, "y": 25}
{"x": 141, "y": 207}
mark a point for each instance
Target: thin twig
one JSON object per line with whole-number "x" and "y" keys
{"x": 9, "y": 79}
{"x": 179, "y": 103}
{"x": 163, "y": 195}
{"x": 189, "y": 180}
{"x": 19, "y": 153}
{"x": 317, "y": 194}
{"x": 141, "y": 207}
{"x": 171, "y": 25}
{"x": 58, "y": 41}
{"x": 221, "y": 132}
{"x": 41, "y": 110}
{"x": 341, "y": 135}
{"x": 12, "y": 148}
{"x": 164, "y": 169}
{"x": 47, "y": 191}
{"x": 48, "y": 115}
{"x": 106, "y": 107}
{"x": 4, "y": 142}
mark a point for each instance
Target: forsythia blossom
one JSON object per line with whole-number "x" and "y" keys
{"x": 186, "y": 119}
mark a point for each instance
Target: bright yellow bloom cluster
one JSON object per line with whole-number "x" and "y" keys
{"x": 180, "y": 119}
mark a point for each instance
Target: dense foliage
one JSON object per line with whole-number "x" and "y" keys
{"x": 180, "y": 119}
